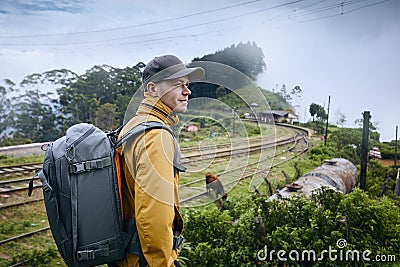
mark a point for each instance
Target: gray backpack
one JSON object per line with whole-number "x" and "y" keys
{"x": 82, "y": 188}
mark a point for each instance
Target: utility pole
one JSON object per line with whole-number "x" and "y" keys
{"x": 397, "y": 187}
{"x": 364, "y": 151}
{"x": 395, "y": 150}
{"x": 327, "y": 118}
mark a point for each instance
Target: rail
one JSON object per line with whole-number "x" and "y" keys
{"x": 250, "y": 172}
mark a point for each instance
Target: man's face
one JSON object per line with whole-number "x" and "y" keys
{"x": 174, "y": 93}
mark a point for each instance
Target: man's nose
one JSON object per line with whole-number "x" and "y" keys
{"x": 186, "y": 90}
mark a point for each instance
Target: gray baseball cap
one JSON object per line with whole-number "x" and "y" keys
{"x": 169, "y": 67}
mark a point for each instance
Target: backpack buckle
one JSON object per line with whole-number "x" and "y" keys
{"x": 78, "y": 167}
{"x": 86, "y": 255}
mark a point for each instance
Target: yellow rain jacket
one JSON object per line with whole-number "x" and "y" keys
{"x": 151, "y": 192}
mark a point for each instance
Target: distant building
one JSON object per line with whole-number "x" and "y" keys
{"x": 375, "y": 153}
{"x": 270, "y": 116}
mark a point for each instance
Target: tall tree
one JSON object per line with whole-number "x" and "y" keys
{"x": 5, "y": 105}
{"x": 245, "y": 57}
{"x": 34, "y": 119}
{"x": 296, "y": 95}
{"x": 317, "y": 111}
{"x": 313, "y": 110}
{"x": 80, "y": 99}
{"x": 284, "y": 93}
{"x": 248, "y": 58}
{"x": 373, "y": 127}
{"x": 106, "y": 117}
{"x": 340, "y": 118}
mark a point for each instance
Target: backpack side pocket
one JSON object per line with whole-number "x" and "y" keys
{"x": 50, "y": 181}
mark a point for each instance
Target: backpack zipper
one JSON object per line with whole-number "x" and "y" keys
{"x": 71, "y": 148}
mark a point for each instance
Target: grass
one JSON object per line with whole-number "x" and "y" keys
{"x": 11, "y": 160}
{"x": 276, "y": 177}
{"x": 36, "y": 250}
{"x": 21, "y": 219}
{"x": 41, "y": 247}
{"x": 188, "y": 139}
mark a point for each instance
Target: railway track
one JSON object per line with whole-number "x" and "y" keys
{"x": 28, "y": 169}
{"x": 247, "y": 171}
{"x": 299, "y": 144}
{"x": 280, "y": 143}
{"x": 199, "y": 194}
{"x": 14, "y": 192}
{"x": 19, "y": 170}
{"x": 213, "y": 155}
{"x": 23, "y": 235}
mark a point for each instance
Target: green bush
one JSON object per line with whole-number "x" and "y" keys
{"x": 228, "y": 239}
{"x": 388, "y": 150}
{"x": 321, "y": 153}
{"x": 206, "y": 231}
{"x": 35, "y": 257}
{"x": 372, "y": 224}
{"x": 252, "y": 129}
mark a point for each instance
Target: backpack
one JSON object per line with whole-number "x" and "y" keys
{"x": 82, "y": 187}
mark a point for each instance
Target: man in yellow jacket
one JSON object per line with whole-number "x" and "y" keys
{"x": 151, "y": 195}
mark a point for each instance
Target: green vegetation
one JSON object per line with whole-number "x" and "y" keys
{"x": 11, "y": 160}
{"x": 7, "y": 141}
{"x": 35, "y": 257}
{"x": 265, "y": 100}
{"x": 341, "y": 142}
{"x": 101, "y": 96}
{"x": 388, "y": 150}
{"x": 37, "y": 250}
{"x": 234, "y": 236}
{"x": 248, "y": 58}
{"x": 366, "y": 220}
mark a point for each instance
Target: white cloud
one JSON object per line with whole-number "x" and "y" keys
{"x": 20, "y": 63}
{"x": 353, "y": 58}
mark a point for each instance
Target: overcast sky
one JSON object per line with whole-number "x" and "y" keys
{"x": 348, "y": 49}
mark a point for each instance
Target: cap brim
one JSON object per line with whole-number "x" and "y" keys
{"x": 193, "y": 74}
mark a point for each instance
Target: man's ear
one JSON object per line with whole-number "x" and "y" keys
{"x": 152, "y": 88}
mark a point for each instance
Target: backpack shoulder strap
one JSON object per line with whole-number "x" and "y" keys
{"x": 134, "y": 246}
{"x": 146, "y": 126}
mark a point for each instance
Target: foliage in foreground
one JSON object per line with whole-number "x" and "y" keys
{"x": 235, "y": 236}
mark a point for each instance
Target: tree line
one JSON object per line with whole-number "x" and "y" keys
{"x": 31, "y": 112}
{"x": 44, "y": 105}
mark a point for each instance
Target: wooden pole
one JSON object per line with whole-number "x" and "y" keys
{"x": 327, "y": 118}
{"x": 364, "y": 151}
{"x": 395, "y": 150}
{"x": 397, "y": 186}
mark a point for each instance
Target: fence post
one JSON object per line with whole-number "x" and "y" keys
{"x": 364, "y": 151}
